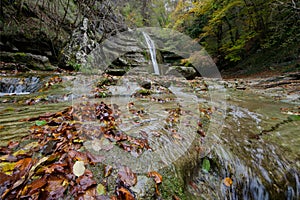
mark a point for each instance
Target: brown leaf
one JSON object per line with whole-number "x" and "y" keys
{"x": 14, "y": 186}
{"x": 107, "y": 170}
{"x": 24, "y": 165}
{"x": 95, "y": 158}
{"x": 85, "y": 181}
{"x": 124, "y": 194}
{"x": 156, "y": 176}
{"x": 55, "y": 188}
{"x": 59, "y": 167}
{"x": 201, "y": 132}
{"x": 175, "y": 197}
{"x": 34, "y": 187}
{"x": 127, "y": 176}
{"x": 5, "y": 180}
{"x": 12, "y": 144}
{"x": 78, "y": 156}
{"x": 5, "y": 150}
{"x": 90, "y": 194}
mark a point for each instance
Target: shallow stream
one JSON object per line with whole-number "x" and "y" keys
{"x": 250, "y": 141}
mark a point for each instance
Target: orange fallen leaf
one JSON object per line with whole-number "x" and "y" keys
{"x": 227, "y": 181}
{"x": 24, "y": 165}
{"x": 34, "y": 187}
{"x": 124, "y": 194}
{"x": 156, "y": 176}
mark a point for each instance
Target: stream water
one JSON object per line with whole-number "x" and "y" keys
{"x": 258, "y": 147}
{"x": 260, "y": 156}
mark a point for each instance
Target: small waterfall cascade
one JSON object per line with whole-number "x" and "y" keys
{"x": 151, "y": 48}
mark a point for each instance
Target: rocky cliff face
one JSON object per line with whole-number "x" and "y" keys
{"x": 65, "y": 31}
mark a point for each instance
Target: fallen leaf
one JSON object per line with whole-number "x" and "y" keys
{"x": 227, "y": 181}
{"x": 100, "y": 189}
{"x": 12, "y": 144}
{"x": 40, "y": 122}
{"x": 113, "y": 198}
{"x": 31, "y": 145}
{"x": 20, "y": 152}
{"x": 85, "y": 182}
{"x": 124, "y": 194}
{"x": 55, "y": 188}
{"x": 156, "y": 176}
{"x": 34, "y": 187}
{"x": 78, "y": 168}
{"x": 80, "y": 156}
{"x": 94, "y": 158}
{"x": 127, "y": 176}
{"x": 8, "y": 158}
{"x": 90, "y": 194}
{"x": 107, "y": 170}
{"x": 24, "y": 165}
{"x": 7, "y": 167}
{"x": 201, "y": 132}
{"x": 205, "y": 165}
{"x": 4, "y": 178}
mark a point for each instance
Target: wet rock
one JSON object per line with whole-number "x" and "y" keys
{"x": 145, "y": 84}
{"x": 187, "y": 72}
{"x": 145, "y": 188}
{"x": 170, "y": 57}
{"x": 116, "y": 72}
{"x": 31, "y": 61}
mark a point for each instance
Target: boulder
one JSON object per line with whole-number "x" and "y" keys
{"x": 187, "y": 72}
{"x": 31, "y": 61}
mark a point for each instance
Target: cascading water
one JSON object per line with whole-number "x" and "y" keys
{"x": 257, "y": 166}
{"x": 152, "y": 50}
{"x": 19, "y": 86}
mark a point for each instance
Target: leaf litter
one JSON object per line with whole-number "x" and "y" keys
{"x": 54, "y": 164}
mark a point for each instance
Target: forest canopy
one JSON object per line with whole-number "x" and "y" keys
{"x": 230, "y": 30}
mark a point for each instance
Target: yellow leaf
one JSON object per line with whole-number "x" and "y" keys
{"x": 78, "y": 141}
{"x": 100, "y": 189}
{"x": 65, "y": 183}
{"x": 19, "y": 152}
{"x": 31, "y": 145}
{"x": 227, "y": 181}
{"x": 7, "y": 167}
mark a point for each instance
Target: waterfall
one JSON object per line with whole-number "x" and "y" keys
{"x": 151, "y": 48}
